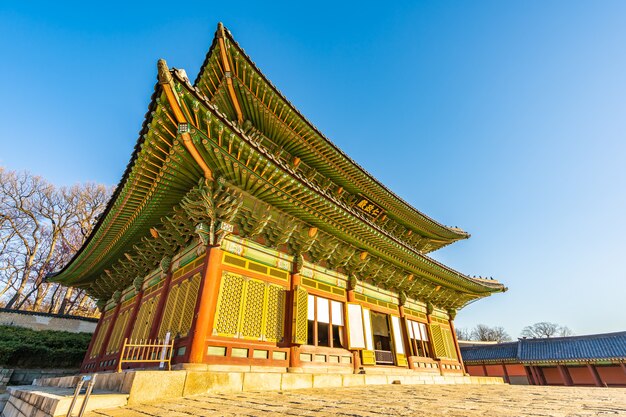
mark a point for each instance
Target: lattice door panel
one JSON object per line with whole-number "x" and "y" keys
{"x": 119, "y": 328}
{"x": 102, "y": 331}
{"x": 145, "y": 317}
{"x": 250, "y": 309}
{"x": 168, "y": 313}
{"x": 449, "y": 341}
{"x": 275, "y": 315}
{"x": 229, "y": 305}
{"x": 438, "y": 343}
{"x": 300, "y": 319}
{"x": 252, "y": 317}
{"x": 189, "y": 307}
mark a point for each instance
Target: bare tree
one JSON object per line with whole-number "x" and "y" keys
{"x": 485, "y": 333}
{"x": 463, "y": 333}
{"x": 41, "y": 227}
{"x": 545, "y": 329}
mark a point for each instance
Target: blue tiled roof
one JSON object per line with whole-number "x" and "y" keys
{"x": 500, "y": 351}
{"x": 609, "y": 346}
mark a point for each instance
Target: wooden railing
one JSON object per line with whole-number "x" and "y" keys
{"x": 146, "y": 351}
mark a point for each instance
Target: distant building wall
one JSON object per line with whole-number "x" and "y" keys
{"x": 45, "y": 321}
{"x": 581, "y": 375}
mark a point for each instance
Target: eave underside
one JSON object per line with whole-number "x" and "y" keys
{"x": 161, "y": 173}
{"x": 270, "y": 114}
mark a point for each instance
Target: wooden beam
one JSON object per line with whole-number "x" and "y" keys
{"x": 596, "y": 376}
{"x": 167, "y": 82}
{"x": 228, "y": 72}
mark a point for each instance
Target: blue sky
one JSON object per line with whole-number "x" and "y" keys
{"x": 506, "y": 119}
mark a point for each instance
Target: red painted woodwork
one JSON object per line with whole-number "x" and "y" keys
{"x": 611, "y": 375}
{"x": 205, "y": 305}
{"x": 475, "y": 370}
{"x": 552, "y": 375}
{"x": 581, "y": 375}
{"x": 457, "y": 347}
{"x": 514, "y": 369}
{"x": 86, "y": 360}
{"x": 595, "y": 375}
{"x": 158, "y": 316}
{"x": 565, "y": 376}
{"x": 494, "y": 370}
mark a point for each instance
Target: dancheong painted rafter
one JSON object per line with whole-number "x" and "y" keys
{"x": 235, "y": 213}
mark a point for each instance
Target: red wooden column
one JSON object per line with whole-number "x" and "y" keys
{"x": 405, "y": 337}
{"x": 529, "y": 375}
{"x": 538, "y": 375}
{"x": 133, "y": 316}
{"x": 541, "y": 375}
{"x": 91, "y": 342}
{"x": 567, "y": 379}
{"x": 595, "y": 375}
{"x": 209, "y": 292}
{"x": 356, "y": 355}
{"x": 456, "y": 345}
{"x": 105, "y": 341}
{"x": 485, "y": 370}
{"x": 294, "y": 350}
{"x": 506, "y": 374}
{"x": 623, "y": 365}
{"x": 156, "y": 322}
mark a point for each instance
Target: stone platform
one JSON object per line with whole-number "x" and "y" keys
{"x": 467, "y": 400}
{"x": 49, "y": 397}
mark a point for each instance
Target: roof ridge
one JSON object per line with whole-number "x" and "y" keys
{"x": 461, "y": 234}
{"x": 232, "y": 125}
{"x": 575, "y": 337}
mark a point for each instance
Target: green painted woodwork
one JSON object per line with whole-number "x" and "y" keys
{"x": 163, "y": 202}
{"x": 279, "y": 126}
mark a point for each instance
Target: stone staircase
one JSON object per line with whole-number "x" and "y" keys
{"x": 34, "y": 401}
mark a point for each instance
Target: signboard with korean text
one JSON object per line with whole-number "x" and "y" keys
{"x": 368, "y": 207}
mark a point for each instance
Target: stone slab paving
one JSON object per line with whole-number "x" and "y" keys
{"x": 393, "y": 400}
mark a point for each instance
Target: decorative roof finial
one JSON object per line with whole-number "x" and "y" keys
{"x": 220, "y": 30}
{"x": 164, "y": 72}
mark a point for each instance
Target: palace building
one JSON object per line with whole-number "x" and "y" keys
{"x": 245, "y": 236}
{"x": 596, "y": 359}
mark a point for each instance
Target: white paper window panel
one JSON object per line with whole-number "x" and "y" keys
{"x": 414, "y": 330}
{"x": 323, "y": 310}
{"x": 397, "y": 334}
{"x": 337, "y": 309}
{"x": 424, "y": 332}
{"x": 311, "y": 307}
{"x": 409, "y": 325}
{"x": 368, "y": 329}
{"x": 355, "y": 327}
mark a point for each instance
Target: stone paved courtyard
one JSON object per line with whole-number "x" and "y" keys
{"x": 395, "y": 400}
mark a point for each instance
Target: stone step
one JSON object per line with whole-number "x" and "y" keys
{"x": 38, "y": 401}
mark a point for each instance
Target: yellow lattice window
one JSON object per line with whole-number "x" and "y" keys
{"x": 438, "y": 343}
{"x": 180, "y": 306}
{"x": 145, "y": 317}
{"x": 99, "y": 337}
{"x": 300, "y": 316}
{"x": 189, "y": 306}
{"x": 229, "y": 305}
{"x": 275, "y": 317}
{"x": 252, "y": 318}
{"x": 250, "y": 309}
{"x": 119, "y": 328}
{"x": 449, "y": 341}
{"x": 168, "y": 312}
